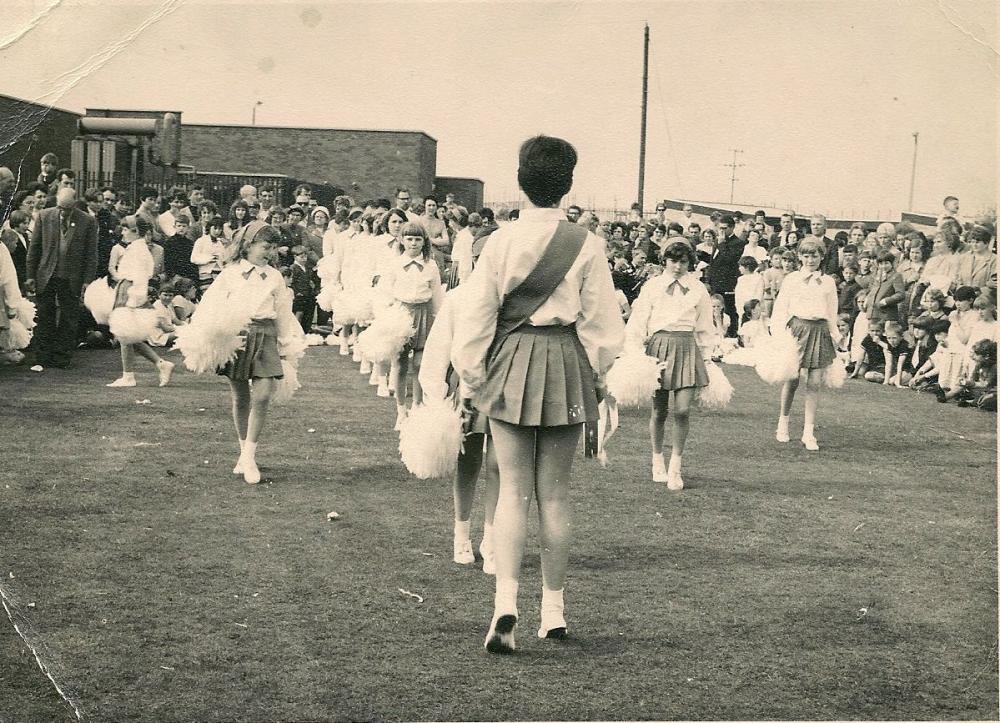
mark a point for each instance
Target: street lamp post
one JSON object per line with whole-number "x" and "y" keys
{"x": 253, "y": 113}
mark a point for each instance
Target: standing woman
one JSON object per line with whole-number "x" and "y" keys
{"x": 239, "y": 216}
{"x": 807, "y": 305}
{"x": 539, "y": 329}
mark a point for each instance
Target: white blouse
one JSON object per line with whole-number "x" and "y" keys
{"x": 663, "y": 305}
{"x": 585, "y": 296}
{"x": 433, "y": 375}
{"x": 207, "y": 254}
{"x": 808, "y": 296}
{"x": 411, "y": 281}
{"x": 261, "y": 288}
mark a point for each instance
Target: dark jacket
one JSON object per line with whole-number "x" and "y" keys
{"x": 177, "y": 257}
{"x": 724, "y": 268}
{"x": 891, "y": 290}
{"x": 80, "y": 263}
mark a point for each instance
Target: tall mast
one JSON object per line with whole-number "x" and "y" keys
{"x": 642, "y": 132}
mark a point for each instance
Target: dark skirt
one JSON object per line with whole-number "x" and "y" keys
{"x": 683, "y": 366}
{"x": 816, "y": 349}
{"x": 540, "y": 377}
{"x": 423, "y": 317}
{"x": 121, "y": 293}
{"x": 259, "y": 358}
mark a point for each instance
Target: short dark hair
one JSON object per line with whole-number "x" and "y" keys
{"x": 216, "y": 221}
{"x": 759, "y": 212}
{"x": 728, "y": 220}
{"x": 675, "y": 227}
{"x": 487, "y": 213}
{"x": 17, "y": 218}
{"x": 748, "y": 262}
{"x": 986, "y": 348}
{"x": 570, "y": 208}
{"x": 514, "y": 214}
{"x": 886, "y": 257}
{"x": 964, "y": 293}
{"x": 148, "y": 192}
{"x": 50, "y": 158}
{"x": 681, "y": 251}
{"x": 850, "y": 248}
{"x": 545, "y": 169}
{"x": 68, "y": 172}
{"x": 949, "y": 198}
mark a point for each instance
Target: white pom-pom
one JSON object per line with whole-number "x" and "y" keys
{"x": 344, "y": 308}
{"x": 294, "y": 347}
{"x": 326, "y": 267}
{"x": 99, "y": 298}
{"x": 430, "y": 439}
{"x": 385, "y": 338}
{"x": 719, "y": 391}
{"x": 634, "y": 377}
{"x": 286, "y": 387}
{"x": 743, "y": 356}
{"x": 327, "y": 297}
{"x": 778, "y": 358}
{"x": 204, "y": 351}
{"x": 314, "y": 340}
{"x": 131, "y": 326}
{"x": 836, "y": 374}
{"x": 333, "y": 340}
{"x": 15, "y": 337}
{"x": 138, "y": 294}
{"x": 25, "y": 313}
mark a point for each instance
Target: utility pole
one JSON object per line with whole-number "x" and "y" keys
{"x": 732, "y": 180}
{"x": 913, "y": 173}
{"x": 642, "y": 132}
{"x": 253, "y": 113}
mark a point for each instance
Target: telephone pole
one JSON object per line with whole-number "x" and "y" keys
{"x": 913, "y": 173}
{"x": 642, "y": 131}
{"x": 732, "y": 179}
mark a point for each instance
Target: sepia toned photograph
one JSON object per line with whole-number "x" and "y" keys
{"x": 498, "y": 361}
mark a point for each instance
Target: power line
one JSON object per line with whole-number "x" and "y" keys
{"x": 734, "y": 165}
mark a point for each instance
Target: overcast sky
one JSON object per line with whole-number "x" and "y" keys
{"x": 822, "y": 97}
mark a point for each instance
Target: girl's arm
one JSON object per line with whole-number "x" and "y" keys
{"x": 636, "y": 330}
{"x": 201, "y": 253}
{"x": 704, "y": 330}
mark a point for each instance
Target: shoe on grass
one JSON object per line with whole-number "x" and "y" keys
{"x": 463, "y": 554}
{"x": 125, "y": 380}
{"x": 500, "y": 638}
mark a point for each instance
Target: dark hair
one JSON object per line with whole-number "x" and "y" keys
{"x": 396, "y": 212}
{"x": 545, "y": 169}
{"x": 759, "y": 212}
{"x": 216, "y": 221}
{"x": 430, "y": 197}
{"x": 180, "y": 196}
{"x": 514, "y": 214}
{"x": 142, "y": 226}
{"x": 949, "y": 198}
{"x": 851, "y": 249}
{"x": 964, "y": 293}
{"x": 840, "y": 237}
{"x": 886, "y": 257}
{"x": 415, "y": 229}
{"x": 748, "y": 262}
{"x": 728, "y": 220}
{"x": 183, "y": 285}
{"x": 303, "y": 187}
{"x": 980, "y": 233}
{"x": 148, "y": 192}
{"x": 17, "y": 218}
{"x": 487, "y": 213}
{"x": 68, "y": 172}
{"x": 694, "y": 225}
{"x": 383, "y": 203}
{"x": 254, "y": 232}
{"x": 986, "y": 348}
{"x": 681, "y": 251}
{"x": 940, "y": 325}
{"x": 50, "y": 158}
{"x": 166, "y": 286}
{"x": 738, "y": 215}
{"x": 748, "y": 309}
{"x": 675, "y": 227}
{"x": 951, "y": 239}
{"x": 36, "y": 186}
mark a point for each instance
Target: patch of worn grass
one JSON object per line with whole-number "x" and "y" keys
{"x": 859, "y": 582}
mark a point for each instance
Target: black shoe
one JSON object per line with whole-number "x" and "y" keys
{"x": 557, "y": 634}
{"x": 963, "y": 403}
{"x": 941, "y": 396}
{"x": 500, "y": 638}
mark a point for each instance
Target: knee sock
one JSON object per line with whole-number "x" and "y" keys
{"x": 249, "y": 450}
{"x": 463, "y": 530}
{"x": 810, "y": 417}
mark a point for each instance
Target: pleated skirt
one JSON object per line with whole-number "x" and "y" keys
{"x": 422, "y": 320}
{"x": 816, "y": 349}
{"x": 259, "y": 358}
{"x": 121, "y": 293}
{"x": 540, "y": 377}
{"x": 683, "y": 365}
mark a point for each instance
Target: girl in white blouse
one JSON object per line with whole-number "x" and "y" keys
{"x": 807, "y": 305}
{"x": 413, "y": 281}
{"x": 135, "y": 269}
{"x": 672, "y": 319}
{"x": 251, "y": 284}
{"x": 535, "y": 372}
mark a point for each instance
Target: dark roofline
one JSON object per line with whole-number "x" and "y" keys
{"x": 40, "y": 105}
{"x": 132, "y": 110}
{"x": 459, "y": 178}
{"x": 307, "y": 128}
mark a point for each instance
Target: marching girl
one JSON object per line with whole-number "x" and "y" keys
{"x": 259, "y": 290}
{"x": 348, "y": 271}
{"x": 383, "y": 252}
{"x": 672, "y": 319}
{"x": 135, "y": 269}
{"x": 412, "y": 281}
{"x": 438, "y": 380}
{"x": 807, "y": 305}
{"x": 533, "y": 340}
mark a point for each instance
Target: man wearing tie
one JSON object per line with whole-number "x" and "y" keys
{"x": 724, "y": 269}
{"x": 62, "y": 261}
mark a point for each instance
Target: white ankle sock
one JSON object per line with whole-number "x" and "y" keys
{"x": 807, "y": 431}
{"x": 463, "y": 530}
{"x": 488, "y": 531}
{"x": 249, "y": 450}
{"x": 552, "y": 599}
{"x": 243, "y": 443}
{"x": 505, "y": 599}
{"x": 675, "y": 462}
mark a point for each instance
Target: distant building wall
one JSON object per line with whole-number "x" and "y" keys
{"x": 468, "y": 191}
{"x": 29, "y": 130}
{"x": 368, "y": 164}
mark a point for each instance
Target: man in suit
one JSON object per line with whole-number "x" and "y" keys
{"x": 724, "y": 269}
{"x": 62, "y": 261}
{"x": 787, "y": 225}
{"x": 831, "y": 261}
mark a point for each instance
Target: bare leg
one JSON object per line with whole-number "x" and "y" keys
{"x": 491, "y": 488}
{"x": 515, "y": 453}
{"x": 399, "y": 374}
{"x": 260, "y": 399}
{"x": 128, "y": 359}
{"x": 241, "y": 407}
{"x": 788, "y": 390}
{"x": 658, "y": 419}
{"x": 146, "y": 352}
{"x": 679, "y": 431}
{"x": 418, "y": 392}
{"x": 553, "y": 463}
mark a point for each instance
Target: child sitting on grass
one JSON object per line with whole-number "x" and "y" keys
{"x": 871, "y": 364}
{"x": 924, "y": 345}
{"x": 978, "y": 388}
{"x": 896, "y": 350}
{"x": 166, "y": 320}
{"x": 184, "y": 301}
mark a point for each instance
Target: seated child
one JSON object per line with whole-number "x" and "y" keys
{"x": 933, "y": 303}
{"x": 753, "y": 331}
{"x": 964, "y": 316}
{"x": 979, "y": 389}
{"x": 843, "y": 346}
{"x": 183, "y": 303}
{"x": 924, "y": 345}
{"x": 944, "y": 365}
{"x": 871, "y": 365}
{"x": 750, "y": 284}
{"x": 896, "y": 351}
{"x": 166, "y": 320}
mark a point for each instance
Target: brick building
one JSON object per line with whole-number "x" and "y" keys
{"x": 30, "y": 130}
{"x": 369, "y": 163}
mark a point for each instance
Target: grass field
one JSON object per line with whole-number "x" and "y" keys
{"x": 859, "y": 582}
